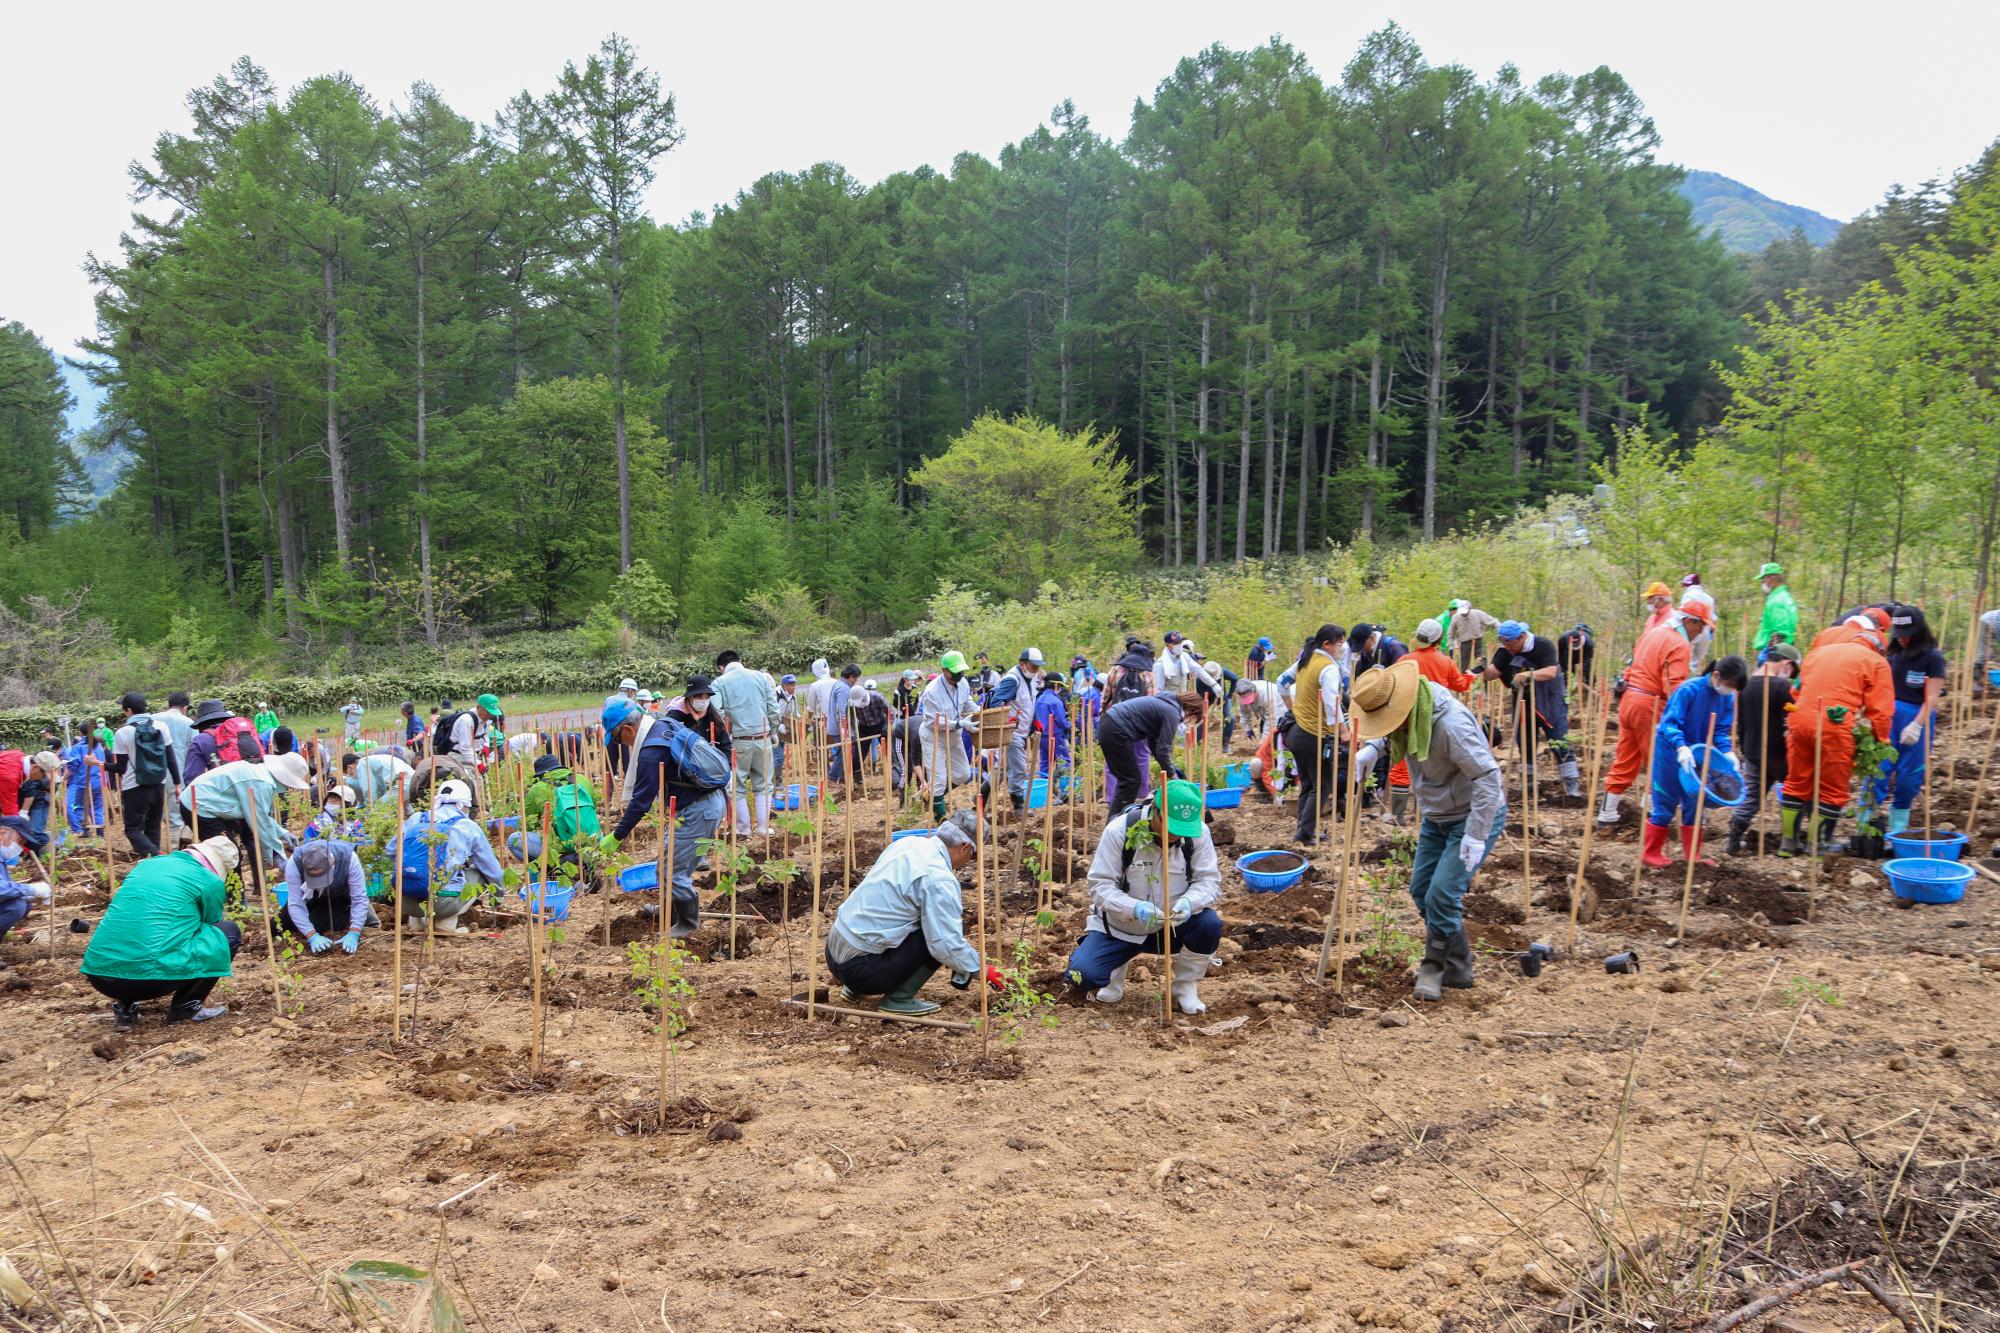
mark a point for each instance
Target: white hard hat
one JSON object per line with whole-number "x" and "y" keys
{"x": 628, "y": 684}
{"x": 645, "y": 696}
{"x": 454, "y": 792}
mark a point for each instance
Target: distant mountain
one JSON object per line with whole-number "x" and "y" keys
{"x": 105, "y": 467}
{"x": 1746, "y": 220}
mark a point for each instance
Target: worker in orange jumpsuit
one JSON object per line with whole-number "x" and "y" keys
{"x": 1837, "y": 681}
{"x": 1855, "y": 628}
{"x": 1433, "y": 663}
{"x": 1659, "y": 667}
{"x": 1659, "y": 600}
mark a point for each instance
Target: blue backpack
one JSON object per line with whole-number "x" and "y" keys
{"x": 699, "y": 764}
{"x": 423, "y": 862}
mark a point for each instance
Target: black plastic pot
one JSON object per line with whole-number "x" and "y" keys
{"x": 78, "y": 926}
{"x": 1623, "y": 962}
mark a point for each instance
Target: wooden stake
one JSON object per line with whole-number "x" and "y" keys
{"x": 1166, "y": 907}
{"x": 979, "y": 859}
{"x": 1819, "y": 740}
{"x": 1336, "y": 915}
{"x": 1763, "y": 766}
{"x": 1979, "y": 789}
{"x": 666, "y": 896}
{"x": 264, "y": 880}
{"x": 396, "y": 917}
{"x": 1694, "y": 840}
{"x": 812, "y": 954}
{"x": 850, "y": 758}
{"x": 535, "y": 942}
{"x": 1589, "y": 823}
{"x": 884, "y": 1014}
{"x": 1526, "y": 740}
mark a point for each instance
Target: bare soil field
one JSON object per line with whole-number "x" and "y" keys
{"x": 1811, "y": 1077}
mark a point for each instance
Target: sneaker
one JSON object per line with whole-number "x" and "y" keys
{"x": 195, "y": 1013}
{"x": 124, "y": 1017}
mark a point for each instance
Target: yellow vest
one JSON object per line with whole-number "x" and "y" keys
{"x": 1305, "y": 694}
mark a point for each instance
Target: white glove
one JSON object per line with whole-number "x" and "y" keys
{"x": 1913, "y": 733}
{"x": 1470, "y": 852}
{"x": 1183, "y": 910}
{"x": 1364, "y": 764}
{"x": 1685, "y": 756}
{"x": 38, "y": 891}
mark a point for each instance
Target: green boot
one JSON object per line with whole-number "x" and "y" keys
{"x": 937, "y": 808}
{"x": 1788, "y": 822}
{"x": 903, "y": 999}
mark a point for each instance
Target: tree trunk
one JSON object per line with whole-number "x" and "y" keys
{"x": 427, "y": 608}
{"x": 1434, "y": 388}
{"x": 1305, "y": 460}
{"x": 228, "y": 551}
{"x": 336, "y": 458}
{"x": 1583, "y": 388}
{"x": 1377, "y": 449}
{"x": 617, "y": 291}
{"x": 1201, "y": 434}
{"x": 1243, "y": 437}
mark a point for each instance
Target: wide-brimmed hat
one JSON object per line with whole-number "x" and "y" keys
{"x": 208, "y": 712}
{"x": 1383, "y": 696}
{"x": 290, "y": 770}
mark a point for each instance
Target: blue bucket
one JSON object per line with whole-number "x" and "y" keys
{"x": 910, "y": 833}
{"x": 508, "y": 822}
{"x": 1922, "y": 880}
{"x": 1261, "y": 881}
{"x": 1038, "y": 793}
{"x": 1944, "y": 847}
{"x": 641, "y": 878}
{"x": 1993, "y": 675}
{"x": 1721, "y": 764}
{"x": 555, "y": 898}
{"x": 1224, "y": 798}
{"x": 1236, "y": 775}
{"x": 789, "y": 799}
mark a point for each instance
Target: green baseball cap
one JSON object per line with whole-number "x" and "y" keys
{"x": 954, "y": 662}
{"x": 1771, "y": 567}
{"x": 1183, "y": 805}
{"x": 491, "y": 703}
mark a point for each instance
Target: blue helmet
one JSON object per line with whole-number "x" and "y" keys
{"x": 1512, "y": 629}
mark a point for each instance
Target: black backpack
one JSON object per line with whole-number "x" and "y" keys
{"x": 441, "y": 738}
{"x": 1131, "y": 684}
{"x": 149, "y": 753}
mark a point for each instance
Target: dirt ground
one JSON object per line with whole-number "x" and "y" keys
{"x": 1772, "y": 1096}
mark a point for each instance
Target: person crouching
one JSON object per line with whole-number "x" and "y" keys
{"x": 906, "y": 919}
{"x": 325, "y": 889}
{"x": 1136, "y": 888}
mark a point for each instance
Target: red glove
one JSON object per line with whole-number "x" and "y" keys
{"x": 994, "y": 979}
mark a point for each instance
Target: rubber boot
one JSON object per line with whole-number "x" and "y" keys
{"x": 1458, "y": 962}
{"x": 903, "y": 999}
{"x": 1735, "y": 841}
{"x": 1112, "y": 991}
{"x": 1430, "y": 972}
{"x": 742, "y": 813}
{"x": 194, "y": 1011}
{"x": 1691, "y": 846}
{"x": 1899, "y": 820}
{"x": 1609, "y": 814}
{"x": 1788, "y": 824}
{"x": 764, "y": 815}
{"x": 1828, "y": 845}
{"x": 685, "y": 919}
{"x": 124, "y": 1017}
{"x": 1189, "y": 968}
{"x": 1654, "y": 850}
{"x": 937, "y": 809}
{"x": 1572, "y": 783}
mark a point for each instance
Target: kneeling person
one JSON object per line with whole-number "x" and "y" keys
{"x": 325, "y": 887}
{"x": 438, "y": 857}
{"x": 164, "y": 934}
{"x": 906, "y": 919}
{"x": 1135, "y": 891}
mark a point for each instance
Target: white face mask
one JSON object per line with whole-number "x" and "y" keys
{"x": 698, "y": 706}
{"x": 10, "y": 853}
{"x": 334, "y": 811}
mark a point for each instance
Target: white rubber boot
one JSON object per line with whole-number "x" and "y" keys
{"x": 1572, "y": 784}
{"x": 1609, "y": 814}
{"x": 742, "y": 816}
{"x": 1112, "y": 991}
{"x": 1189, "y": 968}
{"x": 764, "y": 815}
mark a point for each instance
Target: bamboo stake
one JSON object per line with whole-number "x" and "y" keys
{"x": 850, "y": 758}
{"x": 264, "y": 882}
{"x": 1819, "y": 740}
{"x": 666, "y": 880}
{"x": 1646, "y": 804}
{"x": 536, "y": 945}
{"x": 812, "y": 953}
{"x": 1337, "y": 911}
{"x": 884, "y": 1014}
{"x": 1979, "y": 789}
{"x": 1526, "y": 741}
{"x": 396, "y": 917}
{"x": 1589, "y": 824}
{"x": 979, "y": 859}
{"x": 1694, "y": 839}
{"x": 1763, "y": 764}
{"x": 1045, "y": 898}
{"x": 1166, "y": 906}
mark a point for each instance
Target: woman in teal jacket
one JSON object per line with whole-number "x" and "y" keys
{"x": 164, "y": 934}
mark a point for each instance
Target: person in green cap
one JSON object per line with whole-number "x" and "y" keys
{"x": 906, "y": 919}
{"x": 1136, "y": 888}
{"x": 1781, "y": 614}
{"x": 945, "y": 708}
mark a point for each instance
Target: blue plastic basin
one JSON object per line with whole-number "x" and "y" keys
{"x": 1236, "y": 775}
{"x": 1944, "y": 847}
{"x": 641, "y": 878}
{"x": 789, "y": 798}
{"x": 1261, "y": 881}
{"x": 910, "y": 833}
{"x": 1721, "y": 763}
{"x": 1224, "y": 798}
{"x": 555, "y": 898}
{"x": 1922, "y": 880}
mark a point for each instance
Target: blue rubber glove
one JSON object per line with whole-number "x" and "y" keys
{"x": 320, "y": 943}
{"x": 1183, "y": 909}
{"x": 1149, "y": 916}
{"x": 350, "y": 941}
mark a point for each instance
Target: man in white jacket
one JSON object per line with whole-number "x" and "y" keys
{"x": 1136, "y": 889}
{"x": 1016, "y": 691}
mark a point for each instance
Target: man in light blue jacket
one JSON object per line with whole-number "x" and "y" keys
{"x": 906, "y": 919}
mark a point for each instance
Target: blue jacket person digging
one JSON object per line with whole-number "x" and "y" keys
{"x": 1155, "y": 862}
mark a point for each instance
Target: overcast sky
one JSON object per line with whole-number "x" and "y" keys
{"x": 1801, "y": 102}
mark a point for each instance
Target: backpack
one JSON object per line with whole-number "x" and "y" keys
{"x": 700, "y": 764}
{"x": 229, "y": 734}
{"x": 421, "y": 861}
{"x": 149, "y": 753}
{"x": 1144, "y": 810}
{"x": 1131, "y": 684}
{"x": 441, "y": 738}
{"x": 573, "y": 813}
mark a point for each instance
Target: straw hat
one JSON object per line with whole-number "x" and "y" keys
{"x": 1383, "y": 697}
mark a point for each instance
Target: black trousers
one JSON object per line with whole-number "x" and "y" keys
{"x": 193, "y": 990}
{"x": 238, "y": 832}
{"x": 1318, "y": 760}
{"x": 144, "y": 807}
{"x": 880, "y": 973}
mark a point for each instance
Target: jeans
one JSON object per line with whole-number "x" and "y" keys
{"x": 190, "y": 991}
{"x": 13, "y": 912}
{"x": 1911, "y": 760}
{"x": 1099, "y": 953}
{"x": 85, "y": 821}
{"x": 143, "y": 808}
{"x": 880, "y": 973}
{"x": 695, "y": 825}
{"x": 1438, "y": 878}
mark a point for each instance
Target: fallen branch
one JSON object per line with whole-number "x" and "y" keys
{"x": 1595, "y": 1282}
{"x": 1775, "y": 1296}
{"x": 471, "y": 1189}
{"x": 1891, "y": 1302}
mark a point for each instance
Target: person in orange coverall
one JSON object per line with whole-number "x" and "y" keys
{"x": 1659, "y": 667}
{"x": 1855, "y": 627}
{"x": 1659, "y": 599}
{"x": 1838, "y": 680}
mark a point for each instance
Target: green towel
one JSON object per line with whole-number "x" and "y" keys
{"x": 1412, "y": 740}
